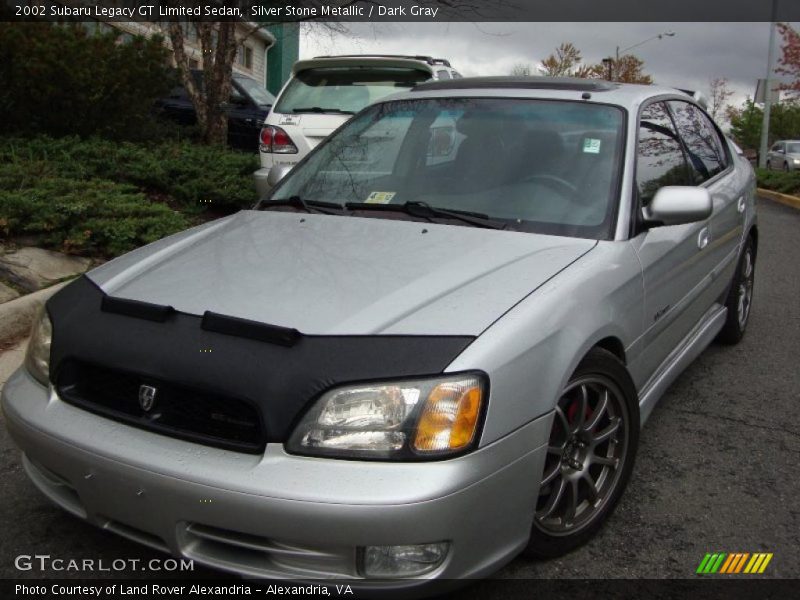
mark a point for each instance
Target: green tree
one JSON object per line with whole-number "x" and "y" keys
{"x": 746, "y": 123}
{"x": 64, "y": 79}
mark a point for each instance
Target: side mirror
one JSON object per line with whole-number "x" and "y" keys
{"x": 677, "y": 205}
{"x": 276, "y": 173}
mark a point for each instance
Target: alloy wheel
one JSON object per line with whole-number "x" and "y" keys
{"x": 585, "y": 456}
{"x": 745, "y": 295}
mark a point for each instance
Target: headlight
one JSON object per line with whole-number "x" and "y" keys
{"x": 796, "y": 161}
{"x": 37, "y": 357}
{"x": 403, "y": 420}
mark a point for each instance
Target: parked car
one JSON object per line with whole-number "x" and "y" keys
{"x": 784, "y": 156}
{"x": 247, "y": 108}
{"x": 326, "y": 91}
{"x": 431, "y": 347}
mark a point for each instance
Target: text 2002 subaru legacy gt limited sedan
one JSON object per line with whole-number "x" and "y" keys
{"x": 430, "y": 348}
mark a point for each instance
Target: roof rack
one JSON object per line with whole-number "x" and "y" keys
{"x": 426, "y": 59}
{"x": 511, "y": 82}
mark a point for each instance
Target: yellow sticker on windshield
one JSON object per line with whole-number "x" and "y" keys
{"x": 380, "y": 197}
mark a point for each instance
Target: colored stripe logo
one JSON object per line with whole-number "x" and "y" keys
{"x": 734, "y": 563}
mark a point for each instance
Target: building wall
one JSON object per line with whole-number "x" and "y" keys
{"x": 283, "y": 54}
{"x": 258, "y": 42}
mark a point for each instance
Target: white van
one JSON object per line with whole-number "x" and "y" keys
{"x": 326, "y": 91}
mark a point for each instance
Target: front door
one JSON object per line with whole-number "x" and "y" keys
{"x": 675, "y": 259}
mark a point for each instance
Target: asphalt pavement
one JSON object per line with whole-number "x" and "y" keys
{"x": 717, "y": 468}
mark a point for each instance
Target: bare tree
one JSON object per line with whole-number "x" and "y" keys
{"x": 520, "y": 70}
{"x": 219, "y": 43}
{"x": 720, "y": 93}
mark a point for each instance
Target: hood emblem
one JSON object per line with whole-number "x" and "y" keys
{"x": 147, "y": 397}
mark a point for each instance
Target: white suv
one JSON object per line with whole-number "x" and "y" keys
{"x": 326, "y": 91}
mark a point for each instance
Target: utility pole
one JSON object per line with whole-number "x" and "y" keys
{"x": 613, "y": 63}
{"x": 762, "y": 152}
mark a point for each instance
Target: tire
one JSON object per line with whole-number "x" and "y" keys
{"x": 566, "y": 519}
{"x": 785, "y": 167}
{"x": 769, "y": 166}
{"x": 740, "y": 297}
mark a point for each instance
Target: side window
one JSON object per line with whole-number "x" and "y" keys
{"x": 704, "y": 149}
{"x": 659, "y": 157}
{"x": 775, "y": 147}
{"x": 442, "y": 74}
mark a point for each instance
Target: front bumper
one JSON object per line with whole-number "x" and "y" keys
{"x": 276, "y": 515}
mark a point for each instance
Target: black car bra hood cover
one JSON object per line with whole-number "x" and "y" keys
{"x": 278, "y": 370}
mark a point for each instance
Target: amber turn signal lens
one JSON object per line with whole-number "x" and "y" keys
{"x": 449, "y": 418}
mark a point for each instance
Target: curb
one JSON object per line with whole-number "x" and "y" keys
{"x": 16, "y": 316}
{"x": 792, "y": 201}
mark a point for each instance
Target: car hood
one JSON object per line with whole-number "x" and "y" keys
{"x": 342, "y": 275}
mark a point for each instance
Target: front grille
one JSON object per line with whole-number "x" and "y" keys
{"x": 179, "y": 411}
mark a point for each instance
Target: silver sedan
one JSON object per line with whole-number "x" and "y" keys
{"x": 430, "y": 348}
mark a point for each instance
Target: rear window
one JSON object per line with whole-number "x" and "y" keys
{"x": 347, "y": 89}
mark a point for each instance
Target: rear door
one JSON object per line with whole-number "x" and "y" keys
{"x": 674, "y": 259}
{"x": 710, "y": 166}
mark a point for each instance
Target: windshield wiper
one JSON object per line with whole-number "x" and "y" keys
{"x": 317, "y": 109}
{"x": 310, "y": 206}
{"x": 426, "y": 211}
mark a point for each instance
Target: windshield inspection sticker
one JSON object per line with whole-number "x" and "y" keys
{"x": 380, "y": 197}
{"x": 591, "y": 146}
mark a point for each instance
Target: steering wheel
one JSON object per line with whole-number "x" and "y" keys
{"x": 554, "y": 182}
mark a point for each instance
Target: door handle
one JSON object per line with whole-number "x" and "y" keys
{"x": 703, "y": 238}
{"x": 741, "y": 205}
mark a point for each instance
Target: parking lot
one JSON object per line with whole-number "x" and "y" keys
{"x": 716, "y": 469}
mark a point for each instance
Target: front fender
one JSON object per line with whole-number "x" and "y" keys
{"x": 530, "y": 353}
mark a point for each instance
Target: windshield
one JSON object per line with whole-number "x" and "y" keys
{"x": 256, "y": 91}
{"x": 793, "y": 147}
{"x": 345, "y": 88}
{"x": 538, "y": 165}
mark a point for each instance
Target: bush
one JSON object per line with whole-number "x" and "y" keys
{"x": 778, "y": 181}
{"x": 88, "y": 217}
{"x": 194, "y": 177}
{"x": 62, "y": 79}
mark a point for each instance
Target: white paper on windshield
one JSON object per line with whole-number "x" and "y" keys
{"x": 591, "y": 146}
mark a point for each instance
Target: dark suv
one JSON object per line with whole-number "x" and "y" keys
{"x": 247, "y": 108}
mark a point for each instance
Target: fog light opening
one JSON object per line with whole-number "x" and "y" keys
{"x": 392, "y": 562}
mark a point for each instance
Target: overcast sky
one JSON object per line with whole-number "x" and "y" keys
{"x": 697, "y": 53}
